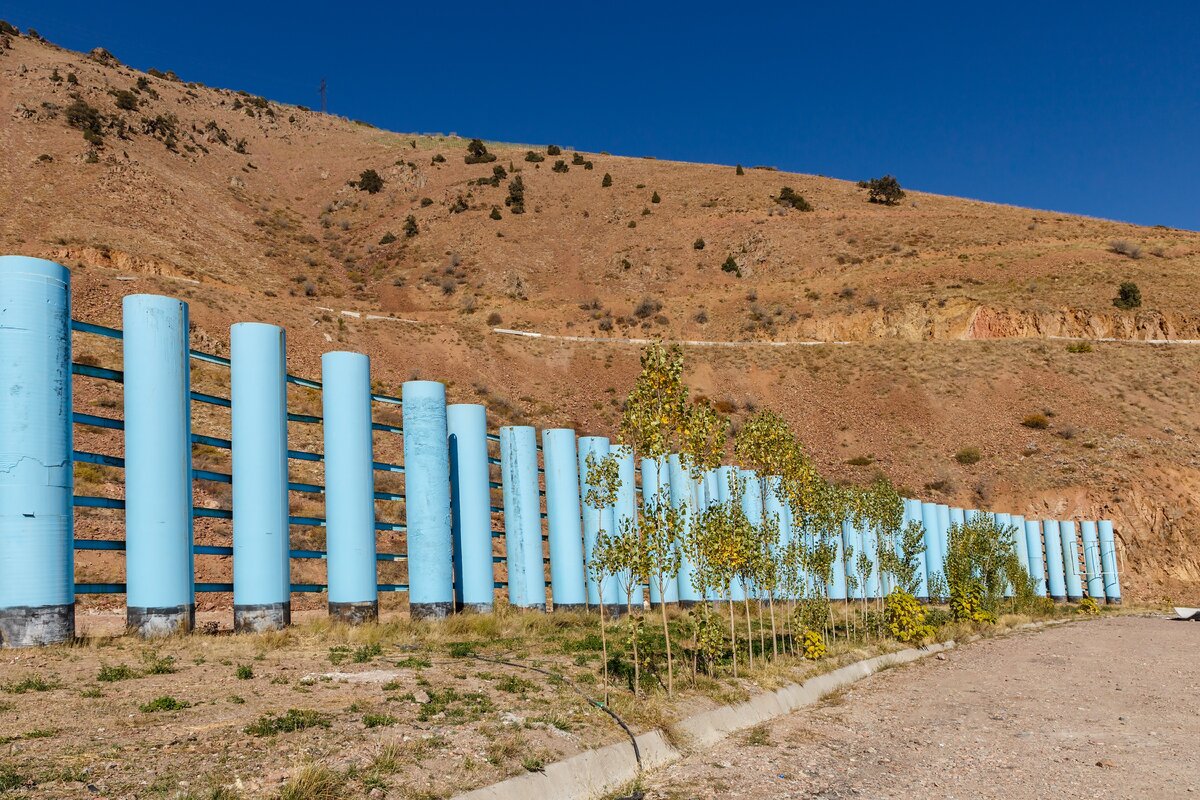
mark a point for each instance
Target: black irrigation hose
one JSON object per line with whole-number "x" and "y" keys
{"x": 632, "y": 739}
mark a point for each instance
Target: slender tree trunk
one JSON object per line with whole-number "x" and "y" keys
{"x": 762, "y": 632}
{"x": 774, "y": 635}
{"x": 604, "y": 650}
{"x": 733, "y": 634}
{"x": 749, "y": 635}
{"x": 667, "y": 636}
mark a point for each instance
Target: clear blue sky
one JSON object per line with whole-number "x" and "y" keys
{"x": 1086, "y": 107}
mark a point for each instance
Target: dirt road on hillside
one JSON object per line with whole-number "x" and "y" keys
{"x": 1103, "y": 709}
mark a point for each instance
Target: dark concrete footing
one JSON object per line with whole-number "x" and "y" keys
{"x": 32, "y": 626}
{"x": 1075, "y": 599}
{"x": 1113, "y": 601}
{"x": 689, "y": 603}
{"x": 261, "y": 617}
{"x": 152, "y": 622}
{"x": 355, "y": 613}
{"x": 430, "y": 610}
{"x": 474, "y": 608}
{"x": 1058, "y": 598}
{"x": 570, "y": 606}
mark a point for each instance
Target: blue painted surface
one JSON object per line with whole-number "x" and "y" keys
{"x": 752, "y": 507}
{"x": 1004, "y": 522}
{"x": 596, "y": 520}
{"x": 730, "y": 490}
{"x": 349, "y": 477}
{"x": 1017, "y": 523}
{"x": 1091, "y": 559}
{"x": 773, "y": 511}
{"x": 683, "y": 497}
{"x": 258, "y": 391}
{"x": 851, "y": 547}
{"x": 1037, "y": 557}
{"x": 1108, "y": 561}
{"x": 933, "y": 542}
{"x": 427, "y": 496}
{"x": 1070, "y": 547}
{"x": 563, "y": 513}
{"x": 943, "y": 520}
{"x": 522, "y": 517}
{"x": 1056, "y": 579}
{"x": 36, "y": 474}
{"x": 470, "y": 501}
{"x": 158, "y": 454}
{"x": 625, "y": 514}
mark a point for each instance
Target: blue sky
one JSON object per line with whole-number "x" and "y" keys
{"x": 1092, "y": 108}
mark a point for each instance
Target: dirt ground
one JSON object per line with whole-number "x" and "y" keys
{"x": 1102, "y": 709}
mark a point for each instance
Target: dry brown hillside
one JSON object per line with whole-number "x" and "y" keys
{"x": 246, "y": 208}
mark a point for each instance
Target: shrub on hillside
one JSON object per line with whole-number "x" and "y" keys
{"x": 739, "y": 170}
{"x": 553, "y": 150}
{"x": 885, "y": 191}
{"x": 577, "y": 160}
{"x": 8, "y": 29}
{"x": 648, "y": 307}
{"x": 654, "y": 198}
{"x": 438, "y": 158}
{"x": 388, "y": 238}
{"x": 495, "y": 212}
{"x": 88, "y": 119}
{"x": 477, "y": 153}
{"x": 968, "y": 455}
{"x": 790, "y": 198}
{"x": 516, "y": 196}
{"x": 698, "y": 244}
{"x": 560, "y": 166}
{"x": 731, "y": 266}
{"x": 1037, "y": 422}
{"x": 1126, "y": 248}
{"x": 369, "y": 181}
{"x": 607, "y": 180}
{"x": 411, "y": 228}
{"x": 533, "y": 157}
{"x": 1129, "y": 296}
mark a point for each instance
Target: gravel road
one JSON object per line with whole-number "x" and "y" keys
{"x": 1105, "y": 708}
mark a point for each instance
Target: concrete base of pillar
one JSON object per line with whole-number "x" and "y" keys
{"x": 354, "y": 613}
{"x": 430, "y": 610}
{"x": 261, "y": 617}
{"x": 474, "y": 608}
{"x": 154, "y": 622}
{"x": 33, "y": 626}
{"x": 1113, "y": 601}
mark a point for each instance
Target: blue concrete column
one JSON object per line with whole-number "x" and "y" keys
{"x": 957, "y": 517}
{"x": 1108, "y": 562}
{"x": 349, "y": 487}
{"x": 1017, "y": 523}
{"x": 851, "y": 547}
{"x": 625, "y": 510}
{"x": 683, "y": 497}
{"x": 712, "y": 498}
{"x": 568, "y": 586}
{"x": 262, "y": 582}
{"x": 752, "y": 507}
{"x": 1070, "y": 547}
{"x": 594, "y": 521}
{"x": 944, "y": 532}
{"x": 37, "y": 547}
{"x": 522, "y": 517}
{"x": 837, "y": 582}
{"x": 1003, "y": 522}
{"x": 870, "y": 539}
{"x": 1091, "y": 560}
{"x": 160, "y": 594}
{"x": 1055, "y": 574}
{"x": 427, "y": 500}
{"x": 656, "y": 486}
{"x": 774, "y": 511}
{"x": 470, "y": 507}
{"x": 1037, "y": 559}
{"x": 933, "y": 543}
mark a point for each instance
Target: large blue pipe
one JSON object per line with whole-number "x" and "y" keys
{"x": 837, "y": 582}
{"x": 1070, "y": 548}
{"x": 522, "y": 517}
{"x": 712, "y": 497}
{"x": 625, "y": 513}
{"x": 349, "y": 487}
{"x": 683, "y": 497}
{"x": 871, "y": 546}
{"x": 656, "y": 488}
{"x": 1037, "y": 559}
{"x": 470, "y": 507}
{"x": 1017, "y": 523}
{"x": 1055, "y": 575}
{"x": 37, "y": 548}
{"x": 913, "y": 512}
{"x": 596, "y": 520}
{"x": 752, "y": 507}
{"x": 729, "y": 491}
{"x": 1108, "y": 562}
{"x": 774, "y": 512}
{"x": 262, "y": 582}
{"x": 943, "y": 534}
{"x": 851, "y": 548}
{"x": 427, "y": 500}
{"x": 568, "y": 587}
{"x": 933, "y": 545}
{"x": 1004, "y": 522}
{"x": 1091, "y": 559}
{"x": 159, "y": 580}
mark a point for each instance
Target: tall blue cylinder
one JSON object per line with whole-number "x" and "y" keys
{"x": 958, "y": 517}
{"x": 160, "y": 586}
{"x": 470, "y": 507}
{"x": 913, "y": 513}
{"x": 1070, "y": 547}
{"x": 851, "y": 549}
{"x": 262, "y": 583}
{"x": 871, "y": 547}
{"x": 1091, "y": 559}
{"x": 1016, "y": 523}
{"x": 625, "y": 514}
{"x": 774, "y": 512}
{"x": 933, "y": 546}
{"x": 1037, "y": 559}
{"x": 837, "y": 581}
{"x": 656, "y": 488}
{"x": 730, "y": 488}
{"x": 1004, "y": 522}
{"x": 522, "y": 517}
{"x": 943, "y": 533}
{"x": 427, "y": 500}
{"x": 37, "y": 547}
{"x": 349, "y": 487}
{"x": 1056, "y": 578}
{"x": 752, "y": 507}
{"x": 568, "y": 586}
{"x": 1108, "y": 562}
{"x": 683, "y": 497}
{"x": 596, "y": 520}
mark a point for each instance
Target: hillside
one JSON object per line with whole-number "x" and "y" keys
{"x": 246, "y": 208}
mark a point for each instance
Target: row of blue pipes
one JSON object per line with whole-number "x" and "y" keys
{"x": 448, "y": 522}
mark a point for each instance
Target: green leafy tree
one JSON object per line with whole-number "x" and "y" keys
{"x": 885, "y": 191}
{"x": 1129, "y": 296}
{"x": 369, "y": 181}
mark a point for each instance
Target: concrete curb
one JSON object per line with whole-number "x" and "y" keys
{"x": 595, "y": 773}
